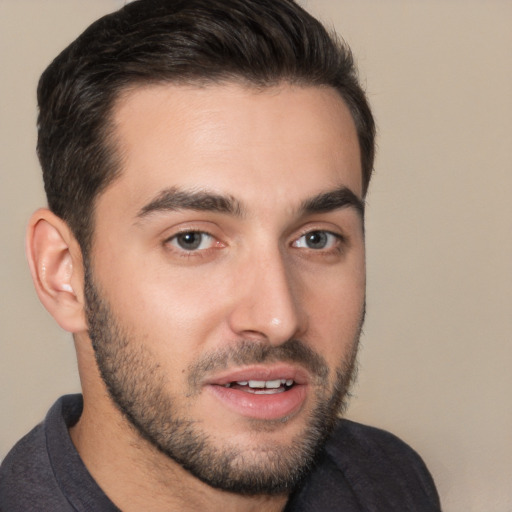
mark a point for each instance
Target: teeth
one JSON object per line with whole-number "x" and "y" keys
{"x": 268, "y": 391}
{"x": 262, "y": 384}
{"x": 256, "y": 383}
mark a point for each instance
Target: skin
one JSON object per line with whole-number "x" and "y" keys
{"x": 254, "y": 278}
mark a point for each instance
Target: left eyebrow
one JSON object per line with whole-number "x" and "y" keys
{"x": 339, "y": 198}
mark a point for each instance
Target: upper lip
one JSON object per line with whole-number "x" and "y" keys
{"x": 260, "y": 372}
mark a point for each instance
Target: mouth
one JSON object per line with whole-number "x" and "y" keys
{"x": 262, "y": 393}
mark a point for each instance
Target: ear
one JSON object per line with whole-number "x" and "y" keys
{"x": 55, "y": 261}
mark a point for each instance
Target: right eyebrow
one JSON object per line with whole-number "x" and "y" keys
{"x": 173, "y": 199}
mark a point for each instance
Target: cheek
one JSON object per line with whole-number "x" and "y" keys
{"x": 175, "y": 311}
{"x": 336, "y": 307}
{"x": 182, "y": 311}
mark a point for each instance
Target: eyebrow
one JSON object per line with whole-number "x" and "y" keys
{"x": 339, "y": 198}
{"x": 173, "y": 199}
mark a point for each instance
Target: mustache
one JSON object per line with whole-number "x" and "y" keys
{"x": 247, "y": 352}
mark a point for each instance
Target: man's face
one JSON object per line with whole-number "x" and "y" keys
{"x": 225, "y": 290}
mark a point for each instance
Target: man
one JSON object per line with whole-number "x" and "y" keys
{"x": 206, "y": 163}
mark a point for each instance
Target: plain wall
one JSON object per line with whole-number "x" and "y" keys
{"x": 436, "y": 356}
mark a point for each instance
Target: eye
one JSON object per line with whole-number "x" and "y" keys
{"x": 317, "y": 240}
{"x": 192, "y": 241}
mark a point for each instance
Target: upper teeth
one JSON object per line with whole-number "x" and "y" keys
{"x": 273, "y": 384}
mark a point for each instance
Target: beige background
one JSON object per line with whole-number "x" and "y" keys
{"x": 437, "y": 352}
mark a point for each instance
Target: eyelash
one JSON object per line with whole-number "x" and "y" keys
{"x": 196, "y": 252}
{"x": 338, "y": 242}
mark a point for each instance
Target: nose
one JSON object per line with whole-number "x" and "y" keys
{"x": 268, "y": 303}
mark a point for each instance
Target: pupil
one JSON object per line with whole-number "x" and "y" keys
{"x": 189, "y": 241}
{"x": 316, "y": 240}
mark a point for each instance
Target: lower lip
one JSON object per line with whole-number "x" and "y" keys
{"x": 263, "y": 407}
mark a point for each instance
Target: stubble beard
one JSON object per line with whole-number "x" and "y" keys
{"x": 137, "y": 386}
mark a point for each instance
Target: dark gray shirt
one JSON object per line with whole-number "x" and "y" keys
{"x": 362, "y": 469}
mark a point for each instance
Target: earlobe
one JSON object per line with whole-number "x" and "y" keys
{"x": 55, "y": 262}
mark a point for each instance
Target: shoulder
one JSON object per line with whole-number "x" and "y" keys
{"x": 29, "y": 450}
{"x": 374, "y": 443}
{"x": 26, "y": 475}
{"x": 382, "y": 468}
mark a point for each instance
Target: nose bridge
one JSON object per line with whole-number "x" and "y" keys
{"x": 268, "y": 304}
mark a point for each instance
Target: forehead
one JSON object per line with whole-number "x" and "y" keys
{"x": 279, "y": 143}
